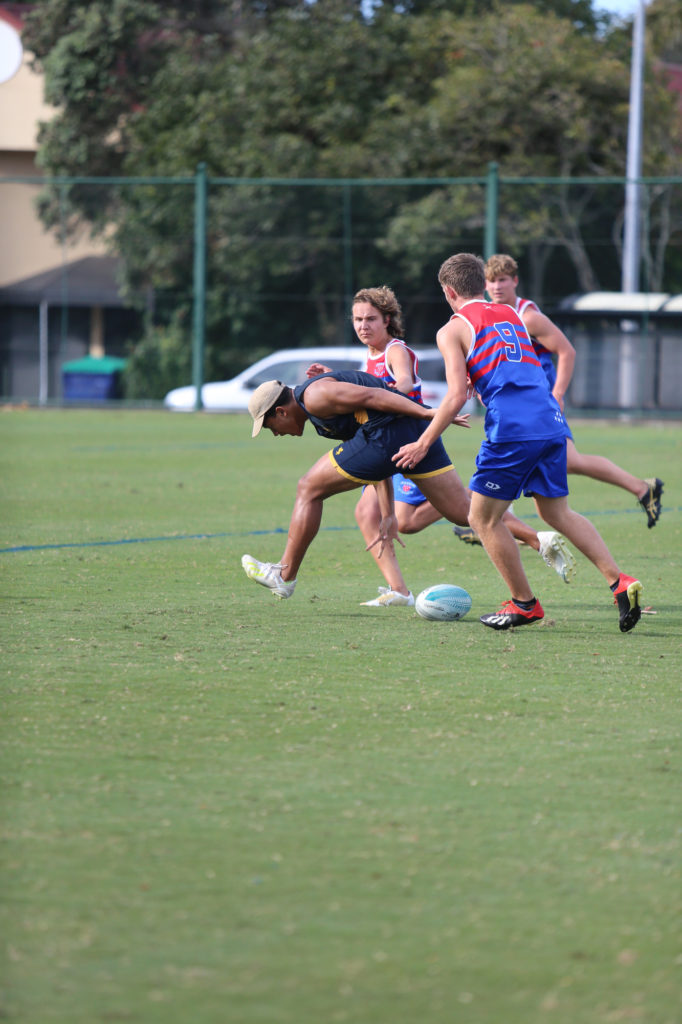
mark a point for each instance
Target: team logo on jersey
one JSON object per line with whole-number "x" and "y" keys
{"x": 492, "y": 486}
{"x": 338, "y": 449}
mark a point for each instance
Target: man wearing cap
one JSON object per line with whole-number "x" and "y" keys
{"x": 372, "y": 421}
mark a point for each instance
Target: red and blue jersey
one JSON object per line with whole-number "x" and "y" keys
{"x": 506, "y": 371}
{"x": 378, "y": 368}
{"x": 543, "y": 354}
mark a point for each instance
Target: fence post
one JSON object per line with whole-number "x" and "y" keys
{"x": 347, "y": 264}
{"x": 491, "y": 190}
{"x": 199, "y": 322}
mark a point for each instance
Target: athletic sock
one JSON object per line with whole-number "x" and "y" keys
{"x": 525, "y": 605}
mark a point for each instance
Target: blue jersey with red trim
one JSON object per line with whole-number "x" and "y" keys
{"x": 506, "y": 371}
{"x": 543, "y": 354}
{"x": 378, "y": 368}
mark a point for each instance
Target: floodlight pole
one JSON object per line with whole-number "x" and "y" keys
{"x": 628, "y": 369}
{"x": 632, "y": 235}
{"x": 43, "y": 352}
{"x": 199, "y": 322}
{"x": 347, "y": 264}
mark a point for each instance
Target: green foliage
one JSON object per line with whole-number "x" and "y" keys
{"x": 218, "y": 807}
{"x": 334, "y": 89}
{"x": 161, "y": 360}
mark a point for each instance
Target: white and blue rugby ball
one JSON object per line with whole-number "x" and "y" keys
{"x": 443, "y": 603}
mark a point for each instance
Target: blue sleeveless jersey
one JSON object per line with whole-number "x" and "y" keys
{"x": 506, "y": 372}
{"x": 543, "y": 354}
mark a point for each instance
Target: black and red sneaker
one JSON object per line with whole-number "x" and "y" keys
{"x": 510, "y": 615}
{"x": 651, "y": 500}
{"x": 626, "y": 596}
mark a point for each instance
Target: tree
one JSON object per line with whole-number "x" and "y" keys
{"x": 525, "y": 91}
{"x": 329, "y": 90}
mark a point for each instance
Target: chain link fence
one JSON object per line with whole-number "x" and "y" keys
{"x": 193, "y": 278}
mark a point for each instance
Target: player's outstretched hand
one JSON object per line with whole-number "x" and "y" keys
{"x": 315, "y": 369}
{"x": 388, "y": 532}
{"x": 462, "y": 420}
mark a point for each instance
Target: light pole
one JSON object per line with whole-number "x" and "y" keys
{"x": 628, "y": 376}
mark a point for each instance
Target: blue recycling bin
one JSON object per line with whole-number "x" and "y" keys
{"x": 92, "y": 379}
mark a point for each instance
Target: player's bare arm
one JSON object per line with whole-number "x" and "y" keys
{"x": 400, "y": 365}
{"x": 388, "y": 525}
{"x": 453, "y": 342}
{"x": 552, "y": 338}
{"x": 315, "y": 369}
{"x": 329, "y": 397}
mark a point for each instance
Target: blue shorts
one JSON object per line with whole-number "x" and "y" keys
{"x": 535, "y": 467}
{"x": 366, "y": 457}
{"x": 406, "y": 490}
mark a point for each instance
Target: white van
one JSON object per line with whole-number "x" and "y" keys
{"x": 290, "y": 365}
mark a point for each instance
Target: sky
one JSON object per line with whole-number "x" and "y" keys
{"x": 624, "y": 8}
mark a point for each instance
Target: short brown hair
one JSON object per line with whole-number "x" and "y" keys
{"x": 385, "y": 301}
{"x": 501, "y": 265}
{"x": 465, "y": 273}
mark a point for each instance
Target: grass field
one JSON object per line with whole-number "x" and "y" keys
{"x": 223, "y": 809}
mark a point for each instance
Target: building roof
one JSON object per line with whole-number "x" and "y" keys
{"x": 91, "y": 281}
{"x": 616, "y": 302}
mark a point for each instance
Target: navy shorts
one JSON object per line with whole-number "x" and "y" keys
{"x": 366, "y": 457}
{"x": 533, "y": 467}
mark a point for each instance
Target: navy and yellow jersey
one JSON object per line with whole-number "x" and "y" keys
{"x": 370, "y": 438}
{"x": 346, "y": 425}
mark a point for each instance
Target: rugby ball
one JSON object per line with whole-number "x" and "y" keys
{"x": 443, "y": 603}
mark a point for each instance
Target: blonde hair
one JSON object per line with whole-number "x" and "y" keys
{"x": 501, "y": 265}
{"x": 465, "y": 273}
{"x": 384, "y": 300}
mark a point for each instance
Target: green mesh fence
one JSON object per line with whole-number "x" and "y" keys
{"x": 210, "y": 273}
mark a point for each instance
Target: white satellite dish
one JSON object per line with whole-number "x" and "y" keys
{"x": 11, "y": 51}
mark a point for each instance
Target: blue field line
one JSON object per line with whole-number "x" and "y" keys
{"x": 253, "y": 533}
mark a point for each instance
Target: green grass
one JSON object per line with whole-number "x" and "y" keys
{"x": 222, "y": 808}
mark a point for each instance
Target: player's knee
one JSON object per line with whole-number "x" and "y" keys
{"x": 308, "y": 487}
{"x": 476, "y": 521}
{"x": 362, "y": 514}
{"x": 406, "y": 523}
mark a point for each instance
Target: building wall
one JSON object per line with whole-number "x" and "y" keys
{"x": 28, "y": 248}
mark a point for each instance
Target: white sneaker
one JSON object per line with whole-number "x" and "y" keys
{"x": 554, "y": 551}
{"x": 268, "y": 575}
{"x": 388, "y": 596}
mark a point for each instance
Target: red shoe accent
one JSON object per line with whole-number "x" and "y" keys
{"x": 626, "y": 596}
{"x": 510, "y": 615}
